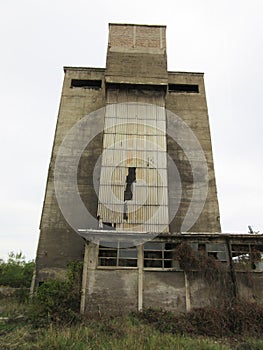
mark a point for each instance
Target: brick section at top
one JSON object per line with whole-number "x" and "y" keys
{"x": 137, "y": 36}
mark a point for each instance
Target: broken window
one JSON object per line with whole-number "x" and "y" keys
{"x": 183, "y": 88}
{"x": 86, "y": 83}
{"x": 108, "y": 226}
{"x": 216, "y": 250}
{"x": 247, "y": 256}
{"x": 122, "y": 254}
{"x": 159, "y": 254}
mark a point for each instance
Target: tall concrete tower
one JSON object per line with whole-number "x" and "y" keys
{"x": 132, "y": 154}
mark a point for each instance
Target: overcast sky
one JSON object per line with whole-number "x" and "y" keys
{"x": 222, "y": 38}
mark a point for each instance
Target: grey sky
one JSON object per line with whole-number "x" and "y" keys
{"x": 222, "y": 38}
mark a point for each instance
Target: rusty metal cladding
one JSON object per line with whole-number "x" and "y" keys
{"x": 134, "y": 143}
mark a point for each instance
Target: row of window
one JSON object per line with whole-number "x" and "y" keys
{"x": 161, "y": 255}
{"x": 97, "y": 84}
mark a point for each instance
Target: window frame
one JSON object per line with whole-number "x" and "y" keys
{"x": 118, "y": 258}
{"x": 174, "y": 263}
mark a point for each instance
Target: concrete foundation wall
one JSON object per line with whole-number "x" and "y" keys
{"x": 164, "y": 290}
{"x": 117, "y": 290}
{"x": 111, "y": 292}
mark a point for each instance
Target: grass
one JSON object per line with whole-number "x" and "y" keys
{"x": 132, "y": 332}
{"x": 92, "y": 337}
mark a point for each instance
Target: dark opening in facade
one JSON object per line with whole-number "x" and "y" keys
{"x": 183, "y": 88}
{"x": 129, "y": 181}
{"x": 159, "y": 254}
{"x": 108, "y": 226}
{"x": 86, "y": 83}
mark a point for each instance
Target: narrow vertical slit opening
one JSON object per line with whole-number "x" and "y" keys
{"x": 130, "y": 179}
{"x": 128, "y": 193}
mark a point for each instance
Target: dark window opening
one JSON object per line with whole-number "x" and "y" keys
{"x": 183, "y": 88}
{"x": 201, "y": 247}
{"x": 108, "y": 226}
{"x": 117, "y": 256}
{"x": 127, "y": 86}
{"x": 86, "y": 84}
{"x": 128, "y": 194}
{"x": 217, "y": 251}
{"x": 213, "y": 255}
{"x": 159, "y": 254}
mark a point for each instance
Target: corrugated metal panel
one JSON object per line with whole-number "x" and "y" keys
{"x": 118, "y": 176}
{"x": 109, "y": 125}
{"x": 120, "y": 141}
{"x": 161, "y": 142}
{"x": 108, "y": 157}
{"x": 108, "y": 140}
{"x": 118, "y": 192}
{"x": 132, "y": 112}
{"x": 140, "y": 194}
{"x": 141, "y": 174}
{"x": 121, "y": 109}
{"x": 112, "y": 213}
{"x": 105, "y": 194}
{"x": 162, "y": 178}
{"x": 152, "y": 196}
{"x": 141, "y": 128}
{"x": 105, "y": 175}
{"x": 132, "y": 127}
{"x": 151, "y": 177}
{"x": 162, "y": 160}
{"x": 132, "y": 134}
{"x": 160, "y": 127}
{"x": 121, "y": 128}
{"x": 141, "y": 110}
{"x": 111, "y": 110}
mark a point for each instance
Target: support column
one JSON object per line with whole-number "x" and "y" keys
{"x": 187, "y": 293}
{"x": 84, "y": 280}
{"x": 140, "y": 277}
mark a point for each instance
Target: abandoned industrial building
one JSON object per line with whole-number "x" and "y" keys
{"x": 131, "y": 188}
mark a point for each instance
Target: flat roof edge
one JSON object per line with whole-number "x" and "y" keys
{"x": 190, "y": 73}
{"x": 213, "y": 234}
{"x": 100, "y": 69}
{"x": 138, "y": 25}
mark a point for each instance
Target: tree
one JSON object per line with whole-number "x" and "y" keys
{"x": 16, "y": 271}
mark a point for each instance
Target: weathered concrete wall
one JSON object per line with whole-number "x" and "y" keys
{"x": 192, "y": 109}
{"x": 164, "y": 290}
{"x": 112, "y": 292}
{"x": 58, "y": 242}
{"x": 117, "y": 290}
{"x": 139, "y": 59}
{"x": 250, "y": 286}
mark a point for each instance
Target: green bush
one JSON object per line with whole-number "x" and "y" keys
{"x": 236, "y": 318}
{"x": 57, "y": 301}
{"x": 16, "y": 272}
